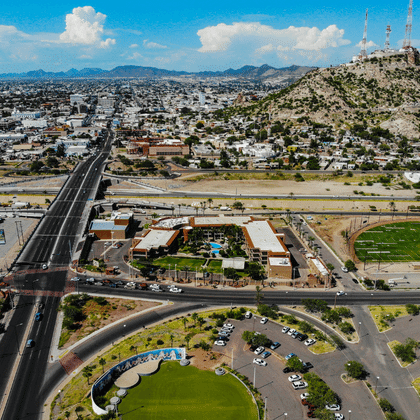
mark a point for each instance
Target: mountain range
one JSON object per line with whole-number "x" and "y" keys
{"x": 263, "y": 72}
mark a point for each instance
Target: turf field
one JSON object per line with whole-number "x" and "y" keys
{"x": 181, "y": 262}
{"x": 395, "y": 242}
{"x": 187, "y": 393}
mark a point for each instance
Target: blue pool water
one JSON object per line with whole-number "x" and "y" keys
{"x": 215, "y": 251}
{"x": 214, "y": 245}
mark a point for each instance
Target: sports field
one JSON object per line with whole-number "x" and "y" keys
{"x": 187, "y": 393}
{"x": 395, "y": 242}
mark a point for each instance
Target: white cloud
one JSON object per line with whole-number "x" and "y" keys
{"x": 163, "y": 60}
{"x": 84, "y": 26}
{"x": 265, "y": 49}
{"x": 107, "y": 43}
{"x": 134, "y": 45}
{"x": 85, "y": 56}
{"x": 221, "y": 37}
{"x": 135, "y": 56}
{"x": 369, "y": 44}
{"x": 153, "y": 45}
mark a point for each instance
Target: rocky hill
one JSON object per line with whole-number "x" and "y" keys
{"x": 380, "y": 92}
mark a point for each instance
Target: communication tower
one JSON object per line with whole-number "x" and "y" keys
{"x": 407, "y": 38}
{"x": 363, "y": 52}
{"x": 388, "y": 31}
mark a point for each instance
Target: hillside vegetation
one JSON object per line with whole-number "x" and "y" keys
{"x": 380, "y": 92}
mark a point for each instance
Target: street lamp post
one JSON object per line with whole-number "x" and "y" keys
{"x": 376, "y": 384}
{"x": 254, "y": 376}
{"x": 349, "y": 414}
{"x": 265, "y": 408}
{"x": 17, "y": 341}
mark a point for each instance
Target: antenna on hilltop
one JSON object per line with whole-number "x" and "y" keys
{"x": 407, "y": 38}
{"x": 388, "y": 31}
{"x": 363, "y": 52}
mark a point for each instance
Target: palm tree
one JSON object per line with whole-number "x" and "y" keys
{"x": 171, "y": 337}
{"x": 87, "y": 372}
{"x": 102, "y": 362}
{"x": 184, "y": 321}
{"x": 258, "y": 296}
{"x": 194, "y": 317}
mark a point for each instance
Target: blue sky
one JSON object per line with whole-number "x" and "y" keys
{"x": 191, "y": 35}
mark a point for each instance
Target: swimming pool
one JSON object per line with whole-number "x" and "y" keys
{"x": 215, "y": 251}
{"x": 214, "y": 245}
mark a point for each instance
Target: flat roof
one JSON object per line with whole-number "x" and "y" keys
{"x": 105, "y": 225}
{"x": 221, "y": 220}
{"x": 320, "y": 266}
{"x": 263, "y": 237}
{"x": 155, "y": 238}
{"x": 283, "y": 262}
{"x": 236, "y": 263}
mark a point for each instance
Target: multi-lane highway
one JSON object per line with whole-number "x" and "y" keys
{"x": 53, "y": 241}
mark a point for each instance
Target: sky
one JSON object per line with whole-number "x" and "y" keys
{"x": 192, "y": 35}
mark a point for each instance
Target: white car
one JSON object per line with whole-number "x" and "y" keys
{"x": 294, "y": 378}
{"x": 299, "y": 385}
{"x": 338, "y": 416}
{"x": 230, "y": 326}
{"x": 219, "y": 343}
{"x": 259, "y": 350}
{"x": 285, "y": 329}
{"x": 264, "y": 320}
{"x": 333, "y": 407}
{"x": 75, "y": 279}
{"x": 291, "y": 331}
{"x": 340, "y": 293}
{"x": 310, "y": 342}
{"x": 44, "y": 266}
{"x": 260, "y": 362}
{"x": 304, "y": 396}
{"x": 345, "y": 269}
{"x": 175, "y": 290}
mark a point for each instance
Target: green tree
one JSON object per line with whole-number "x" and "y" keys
{"x": 87, "y": 372}
{"x": 258, "y": 295}
{"x": 412, "y": 309}
{"x": 102, "y": 362}
{"x": 386, "y": 406}
{"x": 194, "y": 317}
{"x": 237, "y": 205}
{"x": 355, "y": 369}
{"x": 295, "y": 364}
{"x": 394, "y": 416}
{"x": 346, "y": 327}
{"x": 350, "y": 265}
{"x": 184, "y": 321}
{"x": 406, "y": 351}
{"x": 171, "y": 337}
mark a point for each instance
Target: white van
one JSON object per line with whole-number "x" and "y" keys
{"x": 248, "y": 314}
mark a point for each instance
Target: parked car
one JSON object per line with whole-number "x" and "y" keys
{"x": 223, "y": 338}
{"x": 266, "y": 354}
{"x": 259, "y": 350}
{"x": 285, "y": 329}
{"x": 291, "y": 331}
{"x": 308, "y": 365}
{"x": 259, "y": 362}
{"x": 264, "y": 320}
{"x": 338, "y": 416}
{"x": 231, "y": 326}
{"x": 304, "y": 396}
{"x": 275, "y": 345}
{"x": 333, "y": 407}
{"x": 299, "y": 385}
{"x": 287, "y": 369}
{"x": 302, "y": 337}
{"x": 310, "y": 342}
{"x": 295, "y": 335}
{"x": 294, "y": 378}
{"x": 219, "y": 343}
{"x": 344, "y": 269}
{"x": 248, "y": 314}
{"x": 290, "y": 355}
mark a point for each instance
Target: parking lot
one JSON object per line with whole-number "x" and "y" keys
{"x": 274, "y": 385}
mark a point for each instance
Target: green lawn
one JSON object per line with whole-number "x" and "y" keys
{"x": 187, "y": 393}
{"x": 215, "y": 266}
{"x": 192, "y": 263}
{"x": 394, "y": 242}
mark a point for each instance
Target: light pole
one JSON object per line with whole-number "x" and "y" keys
{"x": 253, "y": 325}
{"x": 349, "y": 414}
{"x": 376, "y": 384}
{"x": 265, "y": 408}
{"x": 232, "y": 359}
{"x": 175, "y": 274}
{"x": 17, "y": 341}
{"x": 59, "y": 395}
{"x": 360, "y": 326}
{"x": 254, "y": 376}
